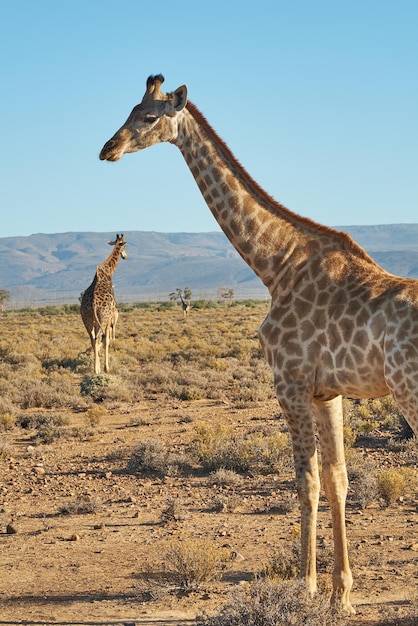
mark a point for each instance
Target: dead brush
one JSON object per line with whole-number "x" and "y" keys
{"x": 54, "y": 392}
{"x": 6, "y": 449}
{"x": 216, "y": 447}
{"x": 175, "y": 511}
{"x": 267, "y": 602}
{"x": 82, "y": 505}
{"x": 151, "y": 456}
{"x": 226, "y": 478}
{"x": 362, "y": 479}
{"x": 226, "y": 503}
{"x": 391, "y": 485}
{"x": 7, "y": 422}
{"x": 283, "y": 563}
{"x": 191, "y": 563}
{"x": 94, "y": 416}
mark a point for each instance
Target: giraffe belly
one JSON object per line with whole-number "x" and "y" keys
{"x": 364, "y": 381}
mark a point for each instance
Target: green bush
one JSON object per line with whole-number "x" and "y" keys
{"x": 96, "y": 386}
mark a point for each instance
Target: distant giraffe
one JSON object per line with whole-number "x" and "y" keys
{"x": 338, "y": 324}
{"x": 184, "y": 301}
{"x": 185, "y": 305}
{"x": 98, "y": 305}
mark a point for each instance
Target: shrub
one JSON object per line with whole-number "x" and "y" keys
{"x": 362, "y": 479}
{"x": 5, "y": 448}
{"x": 53, "y": 392}
{"x": 226, "y": 477}
{"x": 284, "y": 562}
{"x": 97, "y": 385}
{"x": 350, "y": 436}
{"x": 95, "y": 415}
{"x": 7, "y": 421}
{"x": 225, "y": 503}
{"x": 152, "y": 456}
{"x": 368, "y": 426}
{"x": 209, "y": 445}
{"x": 391, "y": 485}
{"x": 42, "y": 420}
{"x": 216, "y": 448}
{"x": 190, "y": 563}
{"x": 269, "y": 603}
{"x": 174, "y": 512}
{"x": 48, "y": 426}
{"x": 82, "y": 505}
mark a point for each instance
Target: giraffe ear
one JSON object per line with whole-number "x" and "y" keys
{"x": 180, "y": 98}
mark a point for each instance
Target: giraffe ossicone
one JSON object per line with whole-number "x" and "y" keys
{"x": 339, "y": 325}
{"x": 98, "y": 305}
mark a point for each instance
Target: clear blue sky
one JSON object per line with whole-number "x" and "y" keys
{"x": 318, "y": 99}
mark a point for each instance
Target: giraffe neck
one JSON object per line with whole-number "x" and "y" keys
{"x": 268, "y": 236}
{"x": 111, "y": 262}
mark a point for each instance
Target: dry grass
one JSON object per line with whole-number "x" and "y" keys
{"x": 230, "y": 468}
{"x": 46, "y": 379}
{"x": 267, "y": 603}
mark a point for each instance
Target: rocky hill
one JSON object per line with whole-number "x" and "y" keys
{"x": 56, "y": 268}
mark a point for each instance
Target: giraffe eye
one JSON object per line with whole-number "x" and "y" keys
{"x": 149, "y": 119}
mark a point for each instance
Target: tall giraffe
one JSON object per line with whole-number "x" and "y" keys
{"x": 185, "y": 305}
{"x": 339, "y": 325}
{"x": 98, "y": 305}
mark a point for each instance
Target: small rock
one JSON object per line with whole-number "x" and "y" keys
{"x": 11, "y": 529}
{"x": 74, "y": 538}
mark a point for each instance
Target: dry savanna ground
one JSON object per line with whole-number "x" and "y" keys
{"x": 163, "y": 491}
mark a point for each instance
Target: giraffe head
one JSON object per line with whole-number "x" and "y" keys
{"x": 120, "y": 244}
{"x": 152, "y": 121}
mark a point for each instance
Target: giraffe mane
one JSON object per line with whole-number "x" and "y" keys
{"x": 344, "y": 239}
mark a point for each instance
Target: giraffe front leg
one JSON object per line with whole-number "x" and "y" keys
{"x": 300, "y": 423}
{"x": 329, "y": 416}
{"x": 107, "y": 342}
{"x": 308, "y": 486}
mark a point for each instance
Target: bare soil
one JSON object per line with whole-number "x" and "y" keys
{"x": 94, "y": 568}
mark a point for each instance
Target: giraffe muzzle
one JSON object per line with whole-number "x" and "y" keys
{"x": 110, "y": 151}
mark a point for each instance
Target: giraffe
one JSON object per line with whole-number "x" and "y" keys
{"x": 338, "y": 324}
{"x": 98, "y": 305}
{"x": 185, "y": 305}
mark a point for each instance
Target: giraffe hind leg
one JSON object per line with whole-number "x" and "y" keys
{"x": 97, "y": 357}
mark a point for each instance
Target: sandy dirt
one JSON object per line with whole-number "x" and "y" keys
{"x": 61, "y": 567}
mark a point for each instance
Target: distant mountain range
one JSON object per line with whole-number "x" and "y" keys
{"x": 56, "y": 268}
